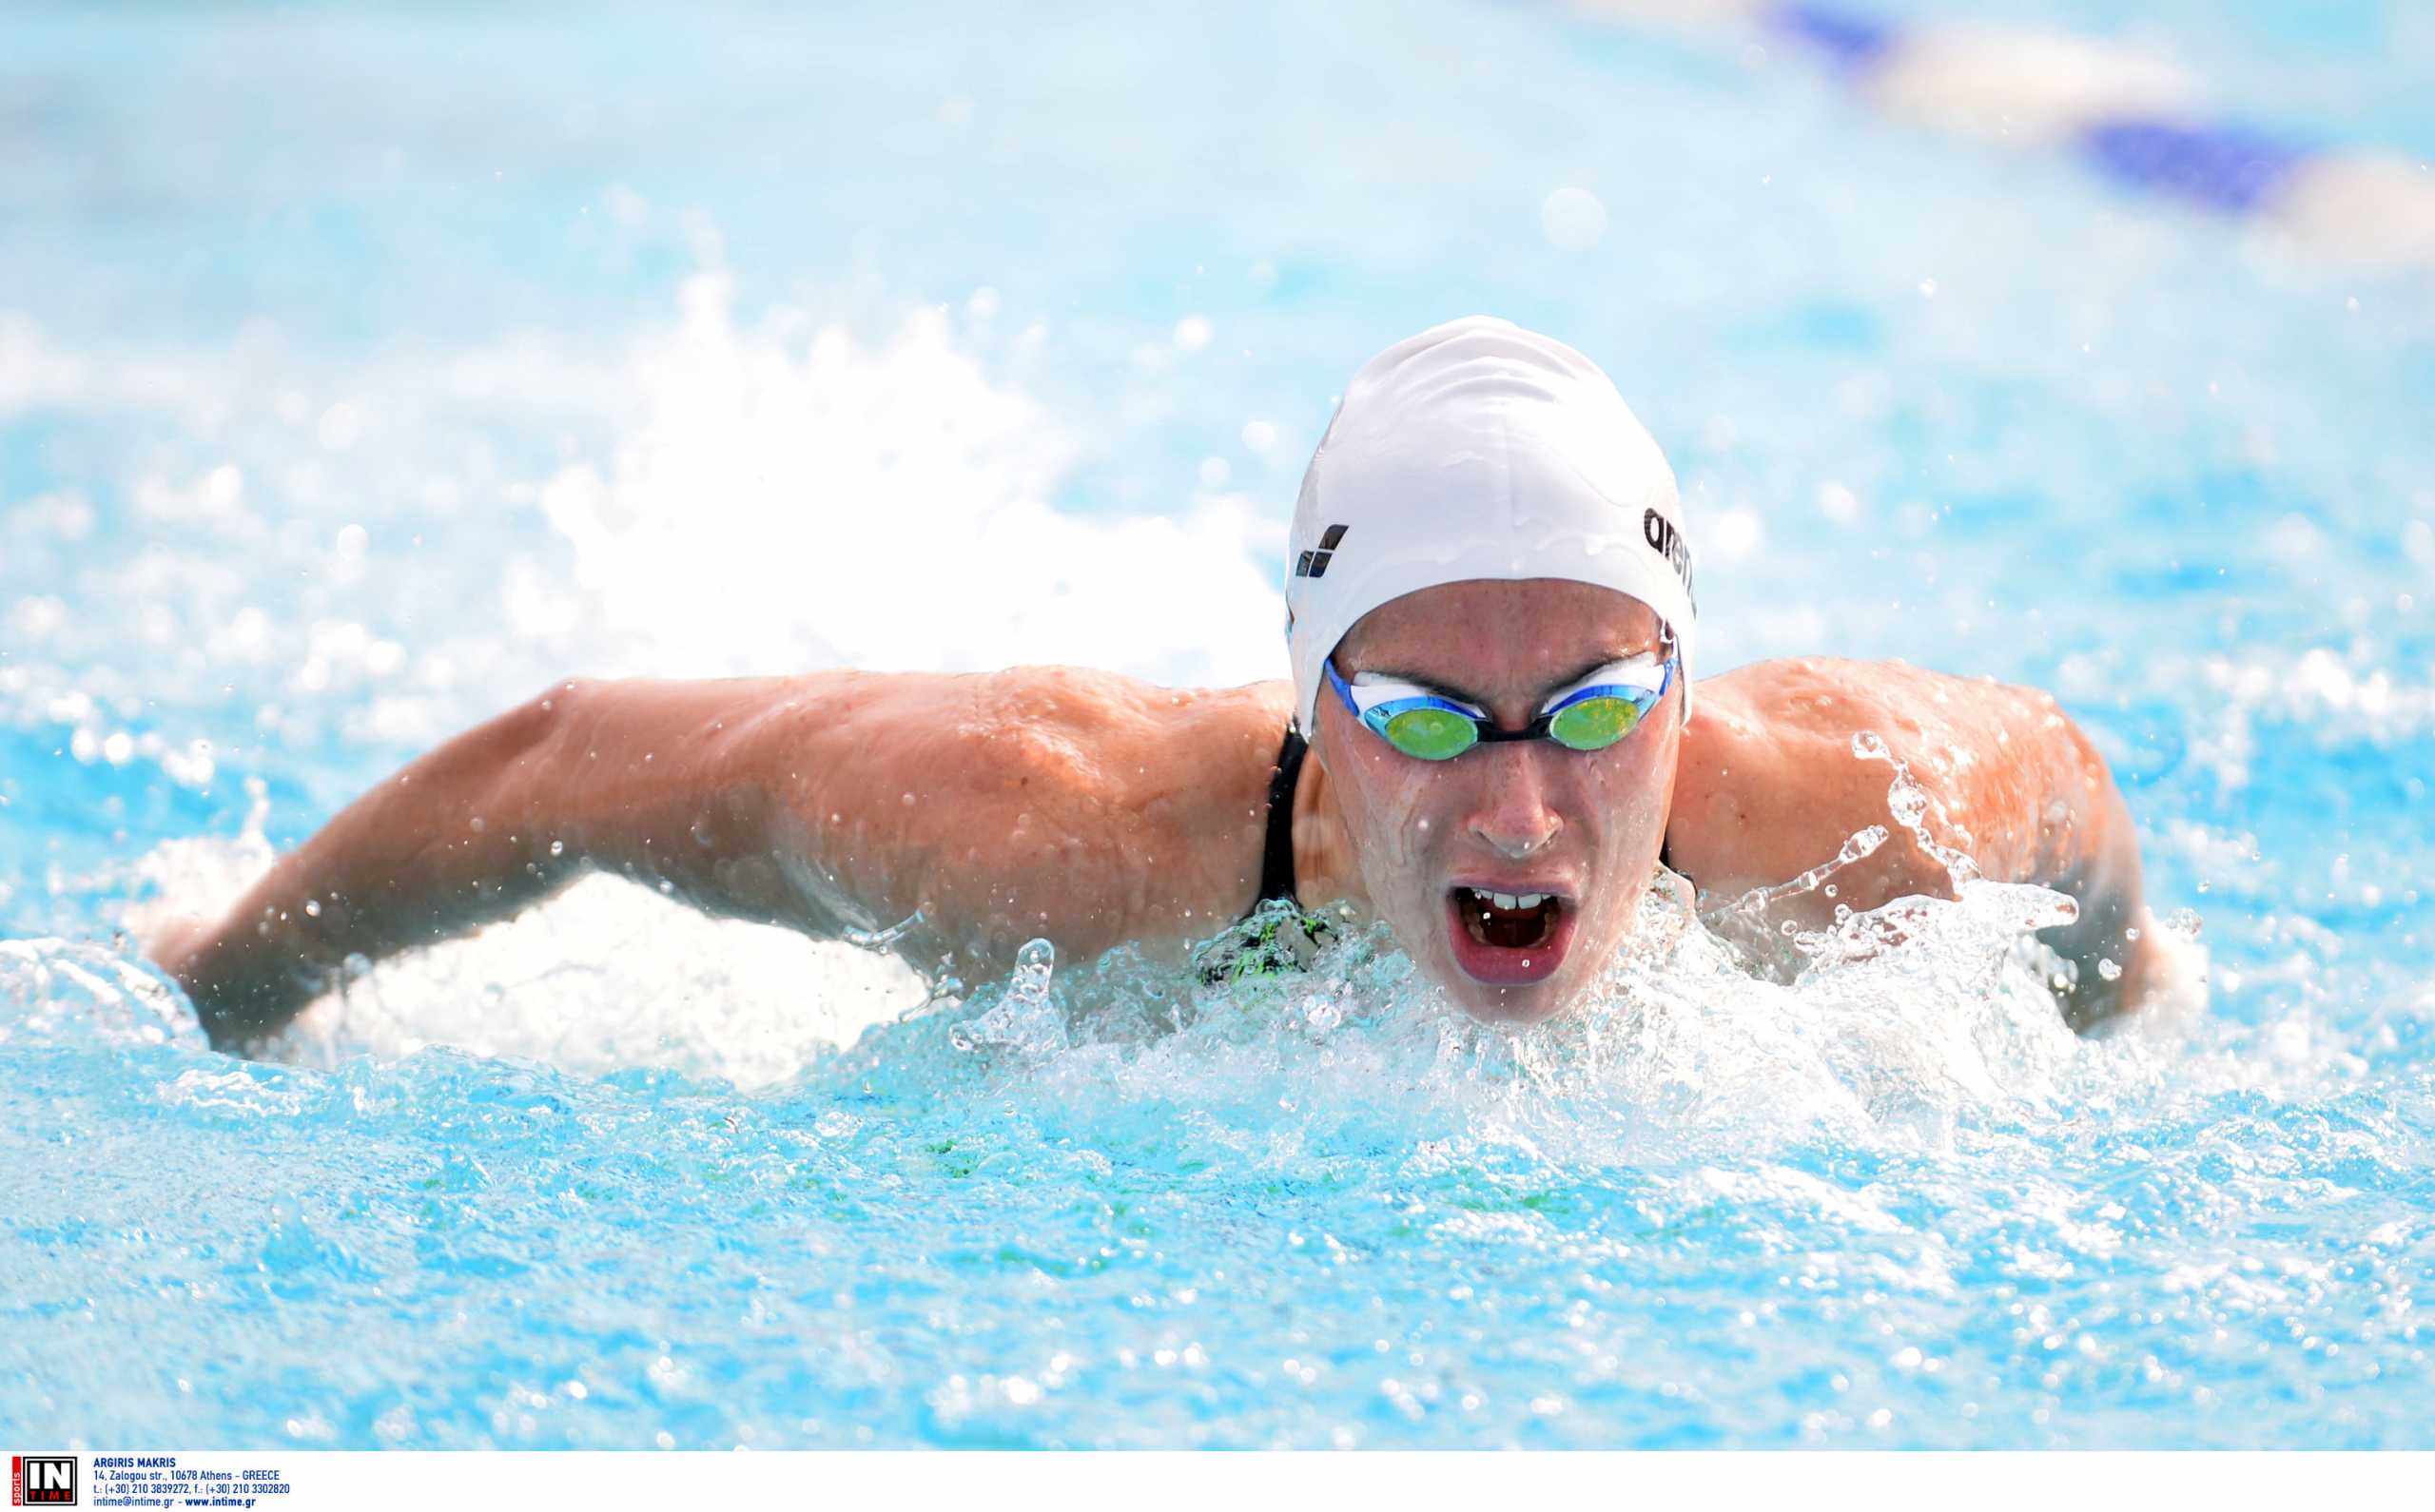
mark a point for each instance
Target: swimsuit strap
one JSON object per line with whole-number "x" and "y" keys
{"x": 1276, "y": 858}
{"x": 1666, "y": 859}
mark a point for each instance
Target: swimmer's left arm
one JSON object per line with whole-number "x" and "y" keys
{"x": 1769, "y": 786}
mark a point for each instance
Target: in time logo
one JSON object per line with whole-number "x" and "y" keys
{"x": 42, "y": 1479}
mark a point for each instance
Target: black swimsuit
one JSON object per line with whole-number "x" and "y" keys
{"x": 1276, "y": 858}
{"x": 1285, "y": 941}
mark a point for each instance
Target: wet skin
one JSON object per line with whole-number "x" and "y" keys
{"x": 1098, "y": 811}
{"x": 1518, "y": 817}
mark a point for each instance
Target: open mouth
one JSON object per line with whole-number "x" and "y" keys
{"x": 1508, "y": 939}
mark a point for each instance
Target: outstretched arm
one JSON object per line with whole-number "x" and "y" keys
{"x": 493, "y": 820}
{"x": 1040, "y": 802}
{"x": 1769, "y": 786}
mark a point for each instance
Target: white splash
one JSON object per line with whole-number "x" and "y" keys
{"x": 792, "y": 504}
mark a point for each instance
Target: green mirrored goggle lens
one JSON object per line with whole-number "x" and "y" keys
{"x": 1432, "y": 734}
{"x": 1594, "y": 724}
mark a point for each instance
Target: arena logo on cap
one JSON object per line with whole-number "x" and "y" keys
{"x": 1668, "y": 542}
{"x": 42, "y": 1479}
{"x": 1315, "y": 563}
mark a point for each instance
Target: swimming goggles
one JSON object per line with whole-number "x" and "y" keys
{"x": 1591, "y": 714}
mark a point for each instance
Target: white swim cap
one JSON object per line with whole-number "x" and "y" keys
{"x": 1478, "y": 449}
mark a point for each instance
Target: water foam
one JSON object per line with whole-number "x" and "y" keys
{"x": 793, "y": 503}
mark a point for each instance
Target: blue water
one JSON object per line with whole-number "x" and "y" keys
{"x": 364, "y": 368}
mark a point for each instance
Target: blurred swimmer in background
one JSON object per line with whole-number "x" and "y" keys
{"x": 1489, "y": 743}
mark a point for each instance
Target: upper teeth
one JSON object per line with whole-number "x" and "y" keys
{"x": 1517, "y": 900}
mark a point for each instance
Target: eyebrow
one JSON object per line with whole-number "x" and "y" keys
{"x": 1446, "y": 689}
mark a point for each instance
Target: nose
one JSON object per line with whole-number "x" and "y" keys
{"x": 1515, "y": 817}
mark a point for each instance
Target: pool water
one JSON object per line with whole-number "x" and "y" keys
{"x": 364, "y": 368}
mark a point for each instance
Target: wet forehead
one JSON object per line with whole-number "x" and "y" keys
{"x": 1502, "y": 639}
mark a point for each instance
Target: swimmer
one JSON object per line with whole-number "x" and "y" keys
{"x": 1492, "y": 741}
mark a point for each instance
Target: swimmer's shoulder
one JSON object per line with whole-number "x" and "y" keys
{"x": 1088, "y": 751}
{"x": 1075, "y": 740}
{"x": 1113, "y": 809}
{"x": 1146, "y": 739}
{"x": 1801, "y": 699}
{"x": 1078, "y": 701}
{"x": 1772, "y": 776}
{"x": 1767, "y": 784}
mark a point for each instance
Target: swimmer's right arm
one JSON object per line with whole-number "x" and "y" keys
{"x": 1079, "y": 806}
{"x": 474, "y": 830}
